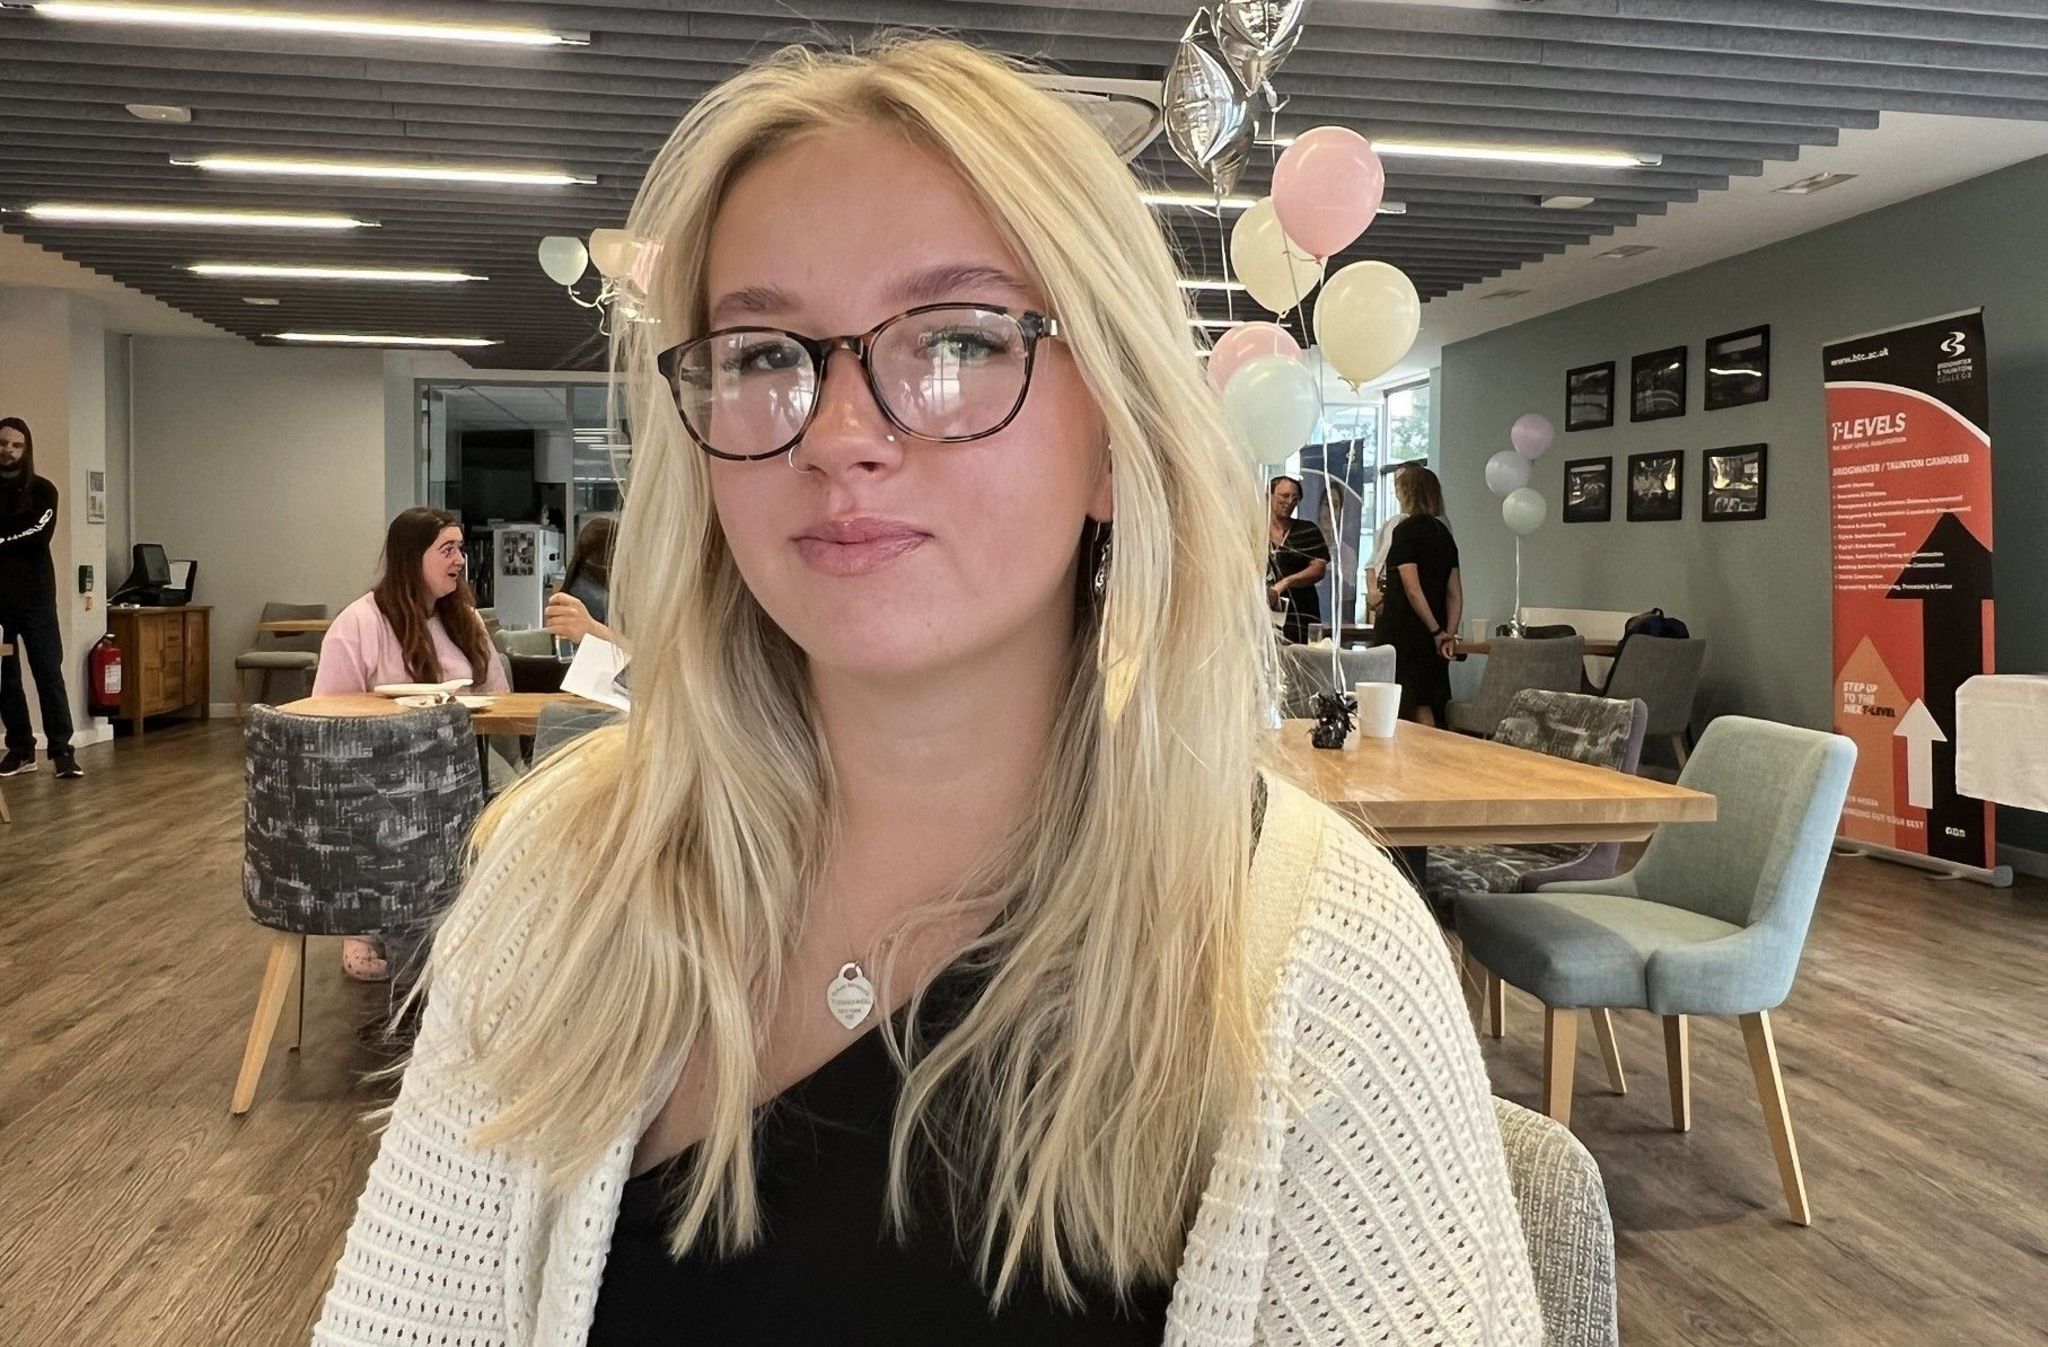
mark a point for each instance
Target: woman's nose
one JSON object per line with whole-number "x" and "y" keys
{"x": 849, "y": 434}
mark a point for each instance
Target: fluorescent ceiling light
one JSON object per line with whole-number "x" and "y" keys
{"x": 1628, "y": 250}
{"x": 1505, "y": 154}
{"x": 1187, "y": 284}
{"x": 320, "y": 168}
{"x": 1195, "y": 200}
{"x": 371, "y": 339}
{"x": 284, "y": 273}
{"x": 1819, "y": 182}
{"x": 251, "y": 20}
{"x": 191, "y": 215}
{"x": 1216, "y": 322}
{"x": 158, "y": 112}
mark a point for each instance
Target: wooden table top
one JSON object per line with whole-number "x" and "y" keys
{"x": 296, "y": 625}
{"x": 1430, "y": 787}
{"x": 1606, "y": 649}
{"x": 508, "y": 713}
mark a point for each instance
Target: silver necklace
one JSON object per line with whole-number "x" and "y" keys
{"x": 850, "y": 997}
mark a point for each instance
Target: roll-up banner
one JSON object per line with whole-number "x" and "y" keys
{"x": 1909, "y": 458}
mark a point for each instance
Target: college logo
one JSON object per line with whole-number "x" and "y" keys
{"x": 1955, "y": 345}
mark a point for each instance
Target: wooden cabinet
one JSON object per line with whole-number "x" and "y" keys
{"x": 164, "y": 661}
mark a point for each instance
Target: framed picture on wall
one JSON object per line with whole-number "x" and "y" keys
{"x": 1738, "y": 369}
{"x": 1657, "y": 385}
{"x": 1656, "y": 486}
{"x": 1734, "y": 482}
{"x": 1589, "y": 491}
{"x": 1589, "y": 397}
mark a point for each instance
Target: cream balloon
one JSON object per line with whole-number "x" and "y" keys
{"x": 611, "y": 251}
{"x": 1273, "y": 405}
{"x": 563, "y": 259}
{"x": 1278, "y": 274}
{"x": 1367, "y": 319}
{"x": 1523, "y": 512}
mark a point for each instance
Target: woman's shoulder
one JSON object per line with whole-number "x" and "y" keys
{"x": 360, "y": 612}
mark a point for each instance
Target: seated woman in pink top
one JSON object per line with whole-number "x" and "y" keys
{"x": 419, "y": 625}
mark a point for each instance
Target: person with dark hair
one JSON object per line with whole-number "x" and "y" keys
{"x": 1424, "y": 599}
{"x": 582, "y": 605}
{"x": 419, "y": 625}
{"x": 1298, "y": 556}
{"x": 28, "y": 609}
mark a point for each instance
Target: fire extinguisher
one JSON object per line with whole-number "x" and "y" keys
{"x": 103, "y": 676}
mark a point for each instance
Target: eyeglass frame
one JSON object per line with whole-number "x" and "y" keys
{"x": 1031, "y": 324}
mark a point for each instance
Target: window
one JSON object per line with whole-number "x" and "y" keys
{"x": 1408, "y": 412}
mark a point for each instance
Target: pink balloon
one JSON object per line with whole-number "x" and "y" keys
{"x": 1248, "y": 341}
{"x": 1327, "y": 188}
{"x": 1531, "y": 435}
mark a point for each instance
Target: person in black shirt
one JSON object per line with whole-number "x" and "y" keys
{"x": 1425, "y": 597}
{"x": 1297, "y": 557}
{"x": 28, "y": 609}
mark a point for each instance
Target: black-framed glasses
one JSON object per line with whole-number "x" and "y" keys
{"x": 946, "y": 373}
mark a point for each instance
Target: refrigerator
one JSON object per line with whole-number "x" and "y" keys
{"x": 526, "y": 565}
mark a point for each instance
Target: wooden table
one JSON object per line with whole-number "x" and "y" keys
{"x": 1598, "y": 649}
{"x": 296, "y": 626}
{"x": 1428, "y": 787}
{"x": 508, "y": 713}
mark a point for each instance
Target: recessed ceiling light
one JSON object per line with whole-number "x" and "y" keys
{"x": 259, "y": 301}
{"x": 1505, "y": 154}
{"x": 1197, "y": 201}
{"x": 1819, "y": 182}
{"x": 63, "y": 213}
{"x": 373, "y": 339}
{"x": 1565, "y": 202}
{"x": 1203, "y": 284}
{"x": 332, "y": 25}
{"x": 320, "y": 168}
{"x": 158, "y": 112}
{"x": 1515, "y": 292}
{"x": 283, "y": 273}
{"x": 1628, "y": 250}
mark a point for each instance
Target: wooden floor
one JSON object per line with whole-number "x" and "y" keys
{"x": 134, "y": 1210}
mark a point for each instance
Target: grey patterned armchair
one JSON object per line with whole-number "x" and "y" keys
{"x": 355, "y": 825}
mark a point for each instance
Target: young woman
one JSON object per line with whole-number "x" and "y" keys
{"x": 902, "y": 969}
{"x": 1297, "y": 558}
{"x": 28, "y": 609}
{"x": 580, "y": 607}
{"x": 419, "y": 625}
{"x": 1425, "y": 598}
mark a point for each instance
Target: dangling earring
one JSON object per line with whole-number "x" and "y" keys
{"x": 1115, "y": 656}
{"x": 1102, "y": 567}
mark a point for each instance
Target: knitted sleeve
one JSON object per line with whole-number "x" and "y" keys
{"x": 1395, "y": 1222}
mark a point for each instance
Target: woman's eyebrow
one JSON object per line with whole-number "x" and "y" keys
{"x": 954, "y": 280}
{"x": 752, "y": 300}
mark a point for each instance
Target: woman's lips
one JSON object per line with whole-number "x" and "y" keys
{"x": 848, "y": 547}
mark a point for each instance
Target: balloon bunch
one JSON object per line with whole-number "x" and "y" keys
{"x": 1228, "y": 53}
{"x": 623, "y": 264}
{"x": 1522, "y": 507}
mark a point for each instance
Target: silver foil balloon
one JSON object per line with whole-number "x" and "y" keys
{"x": 1255, "y": 36}
{"x": 1208, "y": 111}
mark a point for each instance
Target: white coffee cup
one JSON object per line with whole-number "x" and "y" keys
{"x": 1379, "y": 708}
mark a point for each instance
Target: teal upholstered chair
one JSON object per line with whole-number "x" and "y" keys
{"x": 1710, "y": 922}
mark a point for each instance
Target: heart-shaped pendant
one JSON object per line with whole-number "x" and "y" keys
{"x": 851, "y": 997}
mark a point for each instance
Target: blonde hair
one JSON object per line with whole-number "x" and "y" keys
{"x": 635, "y": 897}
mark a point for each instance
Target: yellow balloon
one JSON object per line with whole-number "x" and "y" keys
{"x": 1367, "y": 319}
{"x": 1278, "y": 274}
{"x": 611, "y": 252}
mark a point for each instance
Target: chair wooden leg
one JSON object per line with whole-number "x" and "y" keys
{"x": 1678, "y": 1069}
{"x": 299, "y": 1019}
{"x": 1560, "y": 1056}
{"x": 263, "y": 690}
{"x": 1603, "y": 1030}
{"x": 5, "y": 817}
{"x": 241, "y": 695}
{"x": 1770, "y": 1093}
{"x": 1472, "y": 979}
{"x": 1679, "y": 750}
{"x": 1496, "y": 1005}
{"x": 278, "y": 972}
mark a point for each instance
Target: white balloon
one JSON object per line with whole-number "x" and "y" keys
{"x": 1273, "y": 406}
{"x": 562, "y": 257}
{"x": 1524, "y": 511}
{"x": 1506, "y": 471}
{"x": 1278, "y": 274}
{"x": 612, "y": 251}
{"x": 1367, "y": 319}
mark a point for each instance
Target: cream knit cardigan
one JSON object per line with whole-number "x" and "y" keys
{"x": 1363, "y": 1199}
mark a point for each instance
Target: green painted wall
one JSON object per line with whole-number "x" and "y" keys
{"x": 1759, "y": 592}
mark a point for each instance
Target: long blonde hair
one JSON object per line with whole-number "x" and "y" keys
{"x": 634, "y": 900}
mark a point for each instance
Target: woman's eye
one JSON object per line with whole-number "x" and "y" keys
{"x": 965, "y": 344}
{"x": 763, "y": 357}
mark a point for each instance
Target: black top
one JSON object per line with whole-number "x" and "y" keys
{"x": 828, "y": 1269}
{"x": 1424, "y": 542}
{"x": 26, "y": 577}
{"x": 1305, "y": 543}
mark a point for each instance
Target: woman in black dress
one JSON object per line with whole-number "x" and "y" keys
{"x": 1425, "y": 599}
{"x": 1297, "y": 557}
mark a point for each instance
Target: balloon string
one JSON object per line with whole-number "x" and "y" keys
{"x": 1223, "y": 249}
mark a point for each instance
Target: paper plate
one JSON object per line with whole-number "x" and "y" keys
{"x": 476, "y": 703}
{"x": 422, "y": 702}
{"x": 410, "y": 690}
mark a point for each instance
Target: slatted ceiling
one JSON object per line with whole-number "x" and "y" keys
{"x": 1719, "y": 88}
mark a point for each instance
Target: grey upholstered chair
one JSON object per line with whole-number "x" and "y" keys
{"x": 1305, "y": 671}
{"x": 1565, "y": 1223}
{"x": 1513, "y": 665}
{"x": 355, "y": 825}
{"x": 1549, "y": 633}
{"x": 280, "y": 652}
{"x": 1662, "y": 672}
{"x": 531, "y": 642}
{"x": 562, "y": 723}
{"x": 1710, "y": 922}
{"x": 1597, "y": 731}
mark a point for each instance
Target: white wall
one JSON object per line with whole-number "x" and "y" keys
{"x": 120, "y": 501}
{"x": 265, "y": 465}
{"x": 52, "y": 375}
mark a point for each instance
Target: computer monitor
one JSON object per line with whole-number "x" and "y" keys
{"x": 152, "y": 565}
